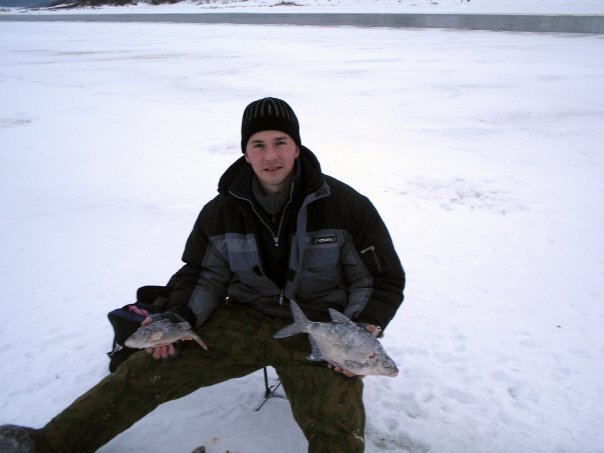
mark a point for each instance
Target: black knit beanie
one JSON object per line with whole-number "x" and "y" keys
{"x": 269, "y": 114}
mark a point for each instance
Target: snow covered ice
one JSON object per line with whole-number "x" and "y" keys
{"x": 482, "y": 151}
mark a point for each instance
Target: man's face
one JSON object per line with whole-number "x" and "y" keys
{"x": 272, "y": 155}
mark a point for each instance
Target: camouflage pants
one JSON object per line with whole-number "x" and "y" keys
{"x": 326, "y": 405}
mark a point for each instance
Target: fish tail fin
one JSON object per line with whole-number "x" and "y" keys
{"x": 299, "y": 325}
{"x": 292, "y": 329}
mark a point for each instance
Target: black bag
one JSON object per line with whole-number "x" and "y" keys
{"x": 126, "y": 320}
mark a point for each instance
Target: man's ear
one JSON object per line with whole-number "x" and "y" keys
{"x": 297, "y": 151}
{"x": 247, "y": 159}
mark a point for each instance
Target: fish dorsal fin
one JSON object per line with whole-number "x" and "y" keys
{"x": 339, "y": 318}
{"x": 184, "y": 325}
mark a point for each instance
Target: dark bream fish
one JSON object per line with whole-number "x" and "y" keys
{"x": 341, "y": 343}
{"x": 162, "y": 332}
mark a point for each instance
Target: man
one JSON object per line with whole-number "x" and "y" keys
{"x": 278, "y": 230}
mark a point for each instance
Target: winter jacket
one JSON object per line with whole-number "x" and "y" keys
{"x": 341, "y": 255}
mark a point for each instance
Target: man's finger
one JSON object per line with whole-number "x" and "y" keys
{"x": 346, "y": 373}
{"x": 159, "y": 352}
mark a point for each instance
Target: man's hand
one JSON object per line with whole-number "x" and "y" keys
{"x": 372, "y": 329}
{"x": 348, "y": 374}
{"x": 162, "y": 351}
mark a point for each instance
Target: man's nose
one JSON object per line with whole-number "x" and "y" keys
{"x": 271, "y": 152}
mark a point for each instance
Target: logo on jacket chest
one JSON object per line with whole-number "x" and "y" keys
{"x": 324, "y": 240}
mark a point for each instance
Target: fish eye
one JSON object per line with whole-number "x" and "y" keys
{"x": 387, "y": 364}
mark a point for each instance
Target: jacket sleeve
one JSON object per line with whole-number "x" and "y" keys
{"x": 376, "y": 285}
{"x": 201, "y": 284}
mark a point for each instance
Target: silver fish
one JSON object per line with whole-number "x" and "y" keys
{"x": 162, "y": 332}
{"x": 341, "y": 343}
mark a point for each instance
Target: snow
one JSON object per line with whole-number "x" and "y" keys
{"x": 482, "y": 151}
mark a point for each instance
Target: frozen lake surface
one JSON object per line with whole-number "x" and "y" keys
{"x": 482, "y": 151}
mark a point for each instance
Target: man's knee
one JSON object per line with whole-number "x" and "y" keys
{"x": 329, "y": 409}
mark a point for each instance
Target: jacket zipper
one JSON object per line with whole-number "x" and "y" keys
{"x": 324, "y": 192}
{"x": 275, "y": 237}
{"x": 371, "y": 249}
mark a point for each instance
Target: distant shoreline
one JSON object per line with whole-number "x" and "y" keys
{"x": 536, "y": 23}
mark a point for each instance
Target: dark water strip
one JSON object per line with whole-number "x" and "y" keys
{"x": 494, "y": 22}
